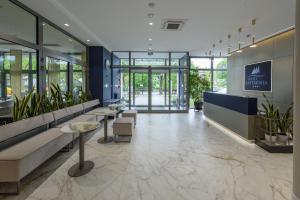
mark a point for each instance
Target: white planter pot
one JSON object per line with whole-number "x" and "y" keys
{"x": 272, "y": 139}
{"x": 282, "y": 138}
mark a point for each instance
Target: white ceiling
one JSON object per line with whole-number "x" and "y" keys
{"x": 123, "y": 24}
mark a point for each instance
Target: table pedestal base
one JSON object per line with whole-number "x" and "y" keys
{"x": 76, "y": 171}
{"x": 106, "y": 140}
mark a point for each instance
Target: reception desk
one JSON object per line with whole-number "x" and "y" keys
{"x": 236, "y": 113}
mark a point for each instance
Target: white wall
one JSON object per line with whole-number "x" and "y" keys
{"x": 280, "y": 50}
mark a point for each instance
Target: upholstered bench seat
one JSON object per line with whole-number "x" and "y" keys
{"x": 19, "y": 160}
{"x": 123, "y": 126}
{"x": 130, "y": 113}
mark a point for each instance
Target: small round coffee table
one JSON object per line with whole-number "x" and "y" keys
{"x": 83, "y": 167}
{"x": 106, "y": 112}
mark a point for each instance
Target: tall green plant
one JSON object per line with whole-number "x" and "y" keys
{"x": 198, "y": 85}
{"x": 84, "y": 96}
{"x": 56, "y": 97}
{"x": 284, "y": 121}
{"x": 69, "y": 99}
{"x": 21, "y": 107}
{"x": 35, "y": 105}
{"x": 270, "y": 113}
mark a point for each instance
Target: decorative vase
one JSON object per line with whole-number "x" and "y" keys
{"x": 272, "y": 139}
{"x": 282, "y": 138}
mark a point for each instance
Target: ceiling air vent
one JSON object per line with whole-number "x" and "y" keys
{"x": 172, "y": 24}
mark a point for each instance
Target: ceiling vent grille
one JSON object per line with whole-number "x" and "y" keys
{"x": 172, "y": 24}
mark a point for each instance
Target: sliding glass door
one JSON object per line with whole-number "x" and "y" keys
{"x": 140, "y": 89}
{"x": 159, "y": 89}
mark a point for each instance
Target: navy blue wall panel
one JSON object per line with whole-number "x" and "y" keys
{"x": 100, "y": 76}
{"x": 96, "y": 72}
{"x": 107, "y": 76}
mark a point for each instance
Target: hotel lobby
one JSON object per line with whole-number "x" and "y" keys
{"x": 149, "y": 100}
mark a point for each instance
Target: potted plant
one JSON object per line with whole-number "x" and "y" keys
{"x": 284, "y": 123}
{"x": 269, "y": 115}
{"x": 198, "y": 85}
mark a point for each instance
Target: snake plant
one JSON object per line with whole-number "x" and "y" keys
{"x": 34, "y": 104}
{"x": 21, "y": 106}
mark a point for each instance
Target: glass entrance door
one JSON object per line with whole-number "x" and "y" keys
{"x": 154, "y": 89}
{"x": 159, "y": 89}
{"x": 140, "y": 89}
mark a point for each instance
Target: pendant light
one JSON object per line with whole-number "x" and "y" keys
{"x": 220, "y": 41}
{"x": 228, "y": 45}
{"x": 240, "y": 49}
{"x": 213, "y": 51}
{"x": 253, "y": 23}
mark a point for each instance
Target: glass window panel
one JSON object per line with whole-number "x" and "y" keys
{"x": 17, "y": 73}
{"x": 145, "y": 59}
{"x": 17, "y": 22}
{"x": 125, "y": 86}
{"x": 57, "y": 41}
{"x": 56, "y": 73}
{"x": 174, "y": 62}
{"x": 220, "y": 63}
{"x": 220, "y": 81}
{"x": 79, "y": 79}
{"x": 200, "y": 63}
{"x": 179, "y": 59}
{"x": 121, "y": 58}
{"x": 178, "y": 89}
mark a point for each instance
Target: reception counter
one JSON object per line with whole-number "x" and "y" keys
{"x": 236, "y": 113}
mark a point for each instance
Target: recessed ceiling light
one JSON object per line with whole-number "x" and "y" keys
{"x": 70, "y": 40}
{"x": 150, "y": 23}
{"x": 151, "y": 4}
{"x": 44, "y": 24}
{"x": 150, "y": 39}
{"x": 253, "y": 46}
{"x": 67, "y": 25}
{"x": 150, "y": 15}
{"x": 88, "y": 40}
{"x": 150, "y": 49}
{"x": 239, "y": 51}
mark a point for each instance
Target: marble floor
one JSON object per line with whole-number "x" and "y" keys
{"x": 173, "y": 157}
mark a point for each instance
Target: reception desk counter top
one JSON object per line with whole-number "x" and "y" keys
{"x": 236, "y": 113}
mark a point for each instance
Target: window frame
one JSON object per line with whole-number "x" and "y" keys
{"x": 41, "y": 52}
{"x": 211, "y": 69}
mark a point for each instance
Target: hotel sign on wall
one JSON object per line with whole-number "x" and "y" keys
{"x": 258, "y": 77}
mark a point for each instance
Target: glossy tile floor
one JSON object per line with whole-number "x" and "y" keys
{"x": 172, "y": 157}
